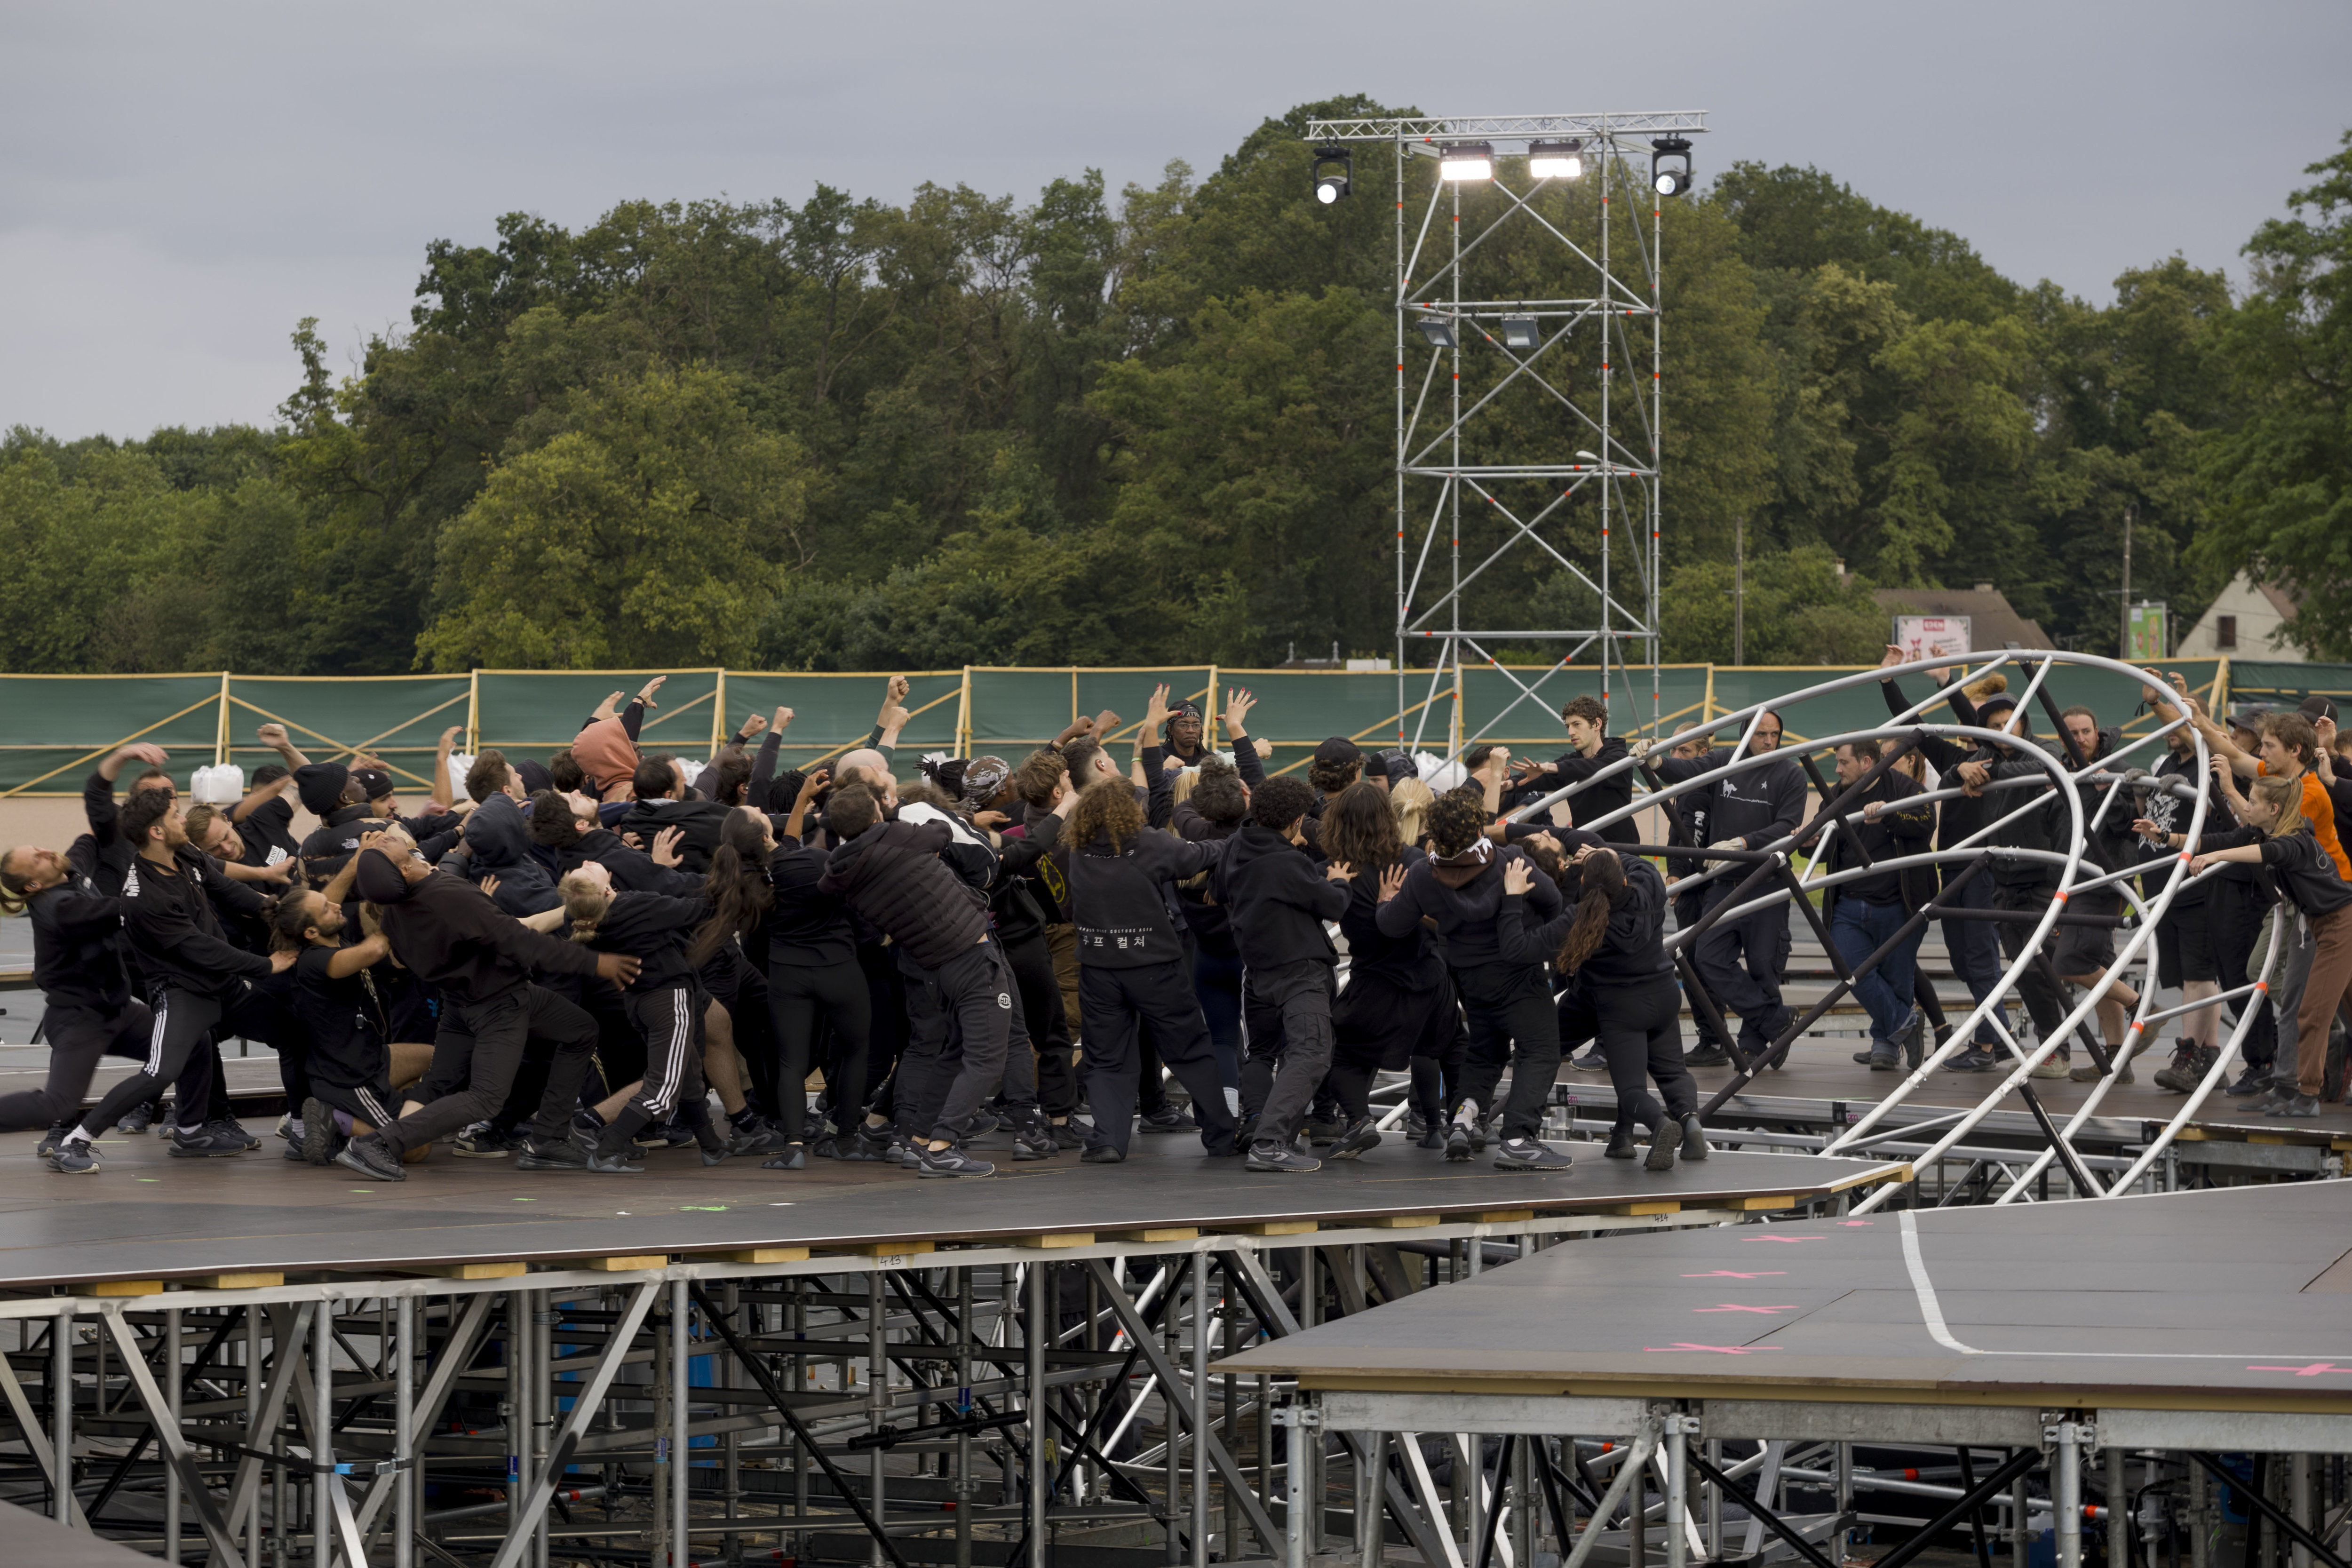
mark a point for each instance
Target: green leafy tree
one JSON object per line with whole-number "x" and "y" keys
{"x": 1799, "y": 610}
{"x": 2279, "y": 475}
{"x": 651, "y": 523}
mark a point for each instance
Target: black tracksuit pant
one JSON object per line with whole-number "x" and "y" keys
{"x": 179, "y": 1047}
{"x": 1389, "y": 1020}
{"x": 669, "y": 1019}
{"x": 1116, "y": 1005}
{"x": 1640, "y": 1034}
{"x": 1741, "y": 963}
{"x": 1512, "y": 1018}
{"x": 486, "y": 1041}
{"x": 967, "y": 1041}
{"x": 809, "y": 1007}
{"x": 1287, "y": 1030}
{"x": 78, "y": 1037}
{"x": 2042, "y": 1000}
{"x": 1032, "y": 962}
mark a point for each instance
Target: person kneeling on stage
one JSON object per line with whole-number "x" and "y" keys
{"x": 356, "y": 1068}
{"x": 664, "y": 1003}
{"x": 1612, "y": 912}
{"x": 444, "y": 931}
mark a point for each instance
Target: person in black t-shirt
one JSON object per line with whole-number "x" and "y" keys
{"x": 355, "y": 1067}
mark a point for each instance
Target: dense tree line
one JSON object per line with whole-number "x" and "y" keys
{"x": 846, "y": 435}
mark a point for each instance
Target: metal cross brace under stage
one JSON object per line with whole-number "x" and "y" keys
{"x": 887, "y": 1409}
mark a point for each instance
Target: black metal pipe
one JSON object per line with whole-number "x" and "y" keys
{"x": 2014, "y": 1467}
{"x": 1771, "y": 1520}
{"x": 2270, "y": 1511}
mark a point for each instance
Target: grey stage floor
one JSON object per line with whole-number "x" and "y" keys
{"x": 2243, "y": 1292}
{"x": 146, "y": 1216}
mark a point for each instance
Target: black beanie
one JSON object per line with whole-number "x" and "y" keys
{"x": 379, "y": 881}
{"x": 319, "y": 787}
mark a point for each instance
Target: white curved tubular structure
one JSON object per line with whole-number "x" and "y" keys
{"x": 2077, "y": 874}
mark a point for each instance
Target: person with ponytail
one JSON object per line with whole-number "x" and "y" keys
{"x": 665, "y": 1002}
{"x": 1606, "y": 942}
{"x": 1398, "y": 1008}
{"x": 1506, "y": 995}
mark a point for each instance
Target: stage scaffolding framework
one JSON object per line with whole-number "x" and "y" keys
{"x": 1606, "y": 438}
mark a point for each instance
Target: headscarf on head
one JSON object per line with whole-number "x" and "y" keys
{"x": 983, "y": 777}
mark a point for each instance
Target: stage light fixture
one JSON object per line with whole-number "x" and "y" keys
{"x": 1439, "y": 331}
{"x": 1519, "y": 332}
{"x": 1670, "y": 166}
{"x": 1555, "y": 160}
{"x": 1335, "y": 173}
{"x": 1466, "y": 160}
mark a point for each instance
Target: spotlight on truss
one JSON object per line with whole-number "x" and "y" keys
{"x": 1519, "y": 332}
{"x": 1466, "y": 160}
{"x": 1335, "y": 173}
{"x": 1670, "y": 166}
{"x": 1555, "y": 160}
{"x": 1439, "y": 331}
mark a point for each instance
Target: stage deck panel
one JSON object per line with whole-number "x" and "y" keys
{"x": 146, "y": 1216}
{"x": 2232, "y": 1294}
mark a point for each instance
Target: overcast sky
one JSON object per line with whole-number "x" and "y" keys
{"x": 180, "y": 183}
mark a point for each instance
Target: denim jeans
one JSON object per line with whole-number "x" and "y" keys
{"x": 1860, "y": 930}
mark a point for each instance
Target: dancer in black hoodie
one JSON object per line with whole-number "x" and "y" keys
{"x": 1280, "y": 900}
{"x": 664, "y": 1003}
{"x": 1131, "y": 967}
{"x": 196, "y": 979}
{"x": 891, "y": 876}
{"x": 1607, "y": 939}
{"x": 1398, "y": 1007}
{"x": 1589, "y": 751}
{"x": 77, "y": 964}
{"x": 1509, "y": 1001}
{"x": 448, "y": 935}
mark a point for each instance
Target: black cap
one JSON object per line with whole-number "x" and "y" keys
{"x": 1338, "y": 749}
{"x": 534, "y": 776}
{"x": 319, "y": 787}
{"x": 2250, "y": 717}
{"x": 379, "y": 881}
{"x": 375, "y": 782}
{"x": 2317, "y": 707}
{"x": 1999, "y": 702}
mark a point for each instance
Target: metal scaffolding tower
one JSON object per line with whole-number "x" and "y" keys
{"x": 1603, "y": 317}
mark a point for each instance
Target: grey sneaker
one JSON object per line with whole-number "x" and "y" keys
{"x": 949, "y": 1163}
{"x": 1277, "y": 1158}
{"x": 1354, "y": 1139}
{"x": 76, "y": 1157}
{"x": 205, "y": 1142}
{"x": 372, "y": 1158}
{"x": 1528, "y": 1155}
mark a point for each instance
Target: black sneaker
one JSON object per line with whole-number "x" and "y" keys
{"x": 482, "y": 1142}
{"x": 318, "y": 1131}
{"x": 1976, "y": 1058}
{"x": 717, "y": 1153}
{"x": 664, "y": 1134}
{"x": 1706, "y": 1056}
{"x": 74, "y": 1157}
{"x": 205, "y": 1142}
{"x": 615, "y": 1165}
{"x": 1034, "y": 1141}
{"x": 793, "y": 1158}
{"x": 754, "y": 1135}
{"x": 52, "y": 1138}
{"x": 1279, "y": 1159}
{"x": 1478, "y": 1135}
{"x": 1431, "y": 1137}
{"x": 140, "y": 1118}
{"x": 1694, "y": 1143}
{"x": 949, "y": 1162}
{"x": 1528, "y": 1155}
{"x": 372, "y": 1157}
{"x": 2296, "y": 1105}
{"x": 570, "y": 1152}
{"x": 1354, "y": 1139}
{"x": 1664, "y": 1144}
{"x": 869, "y": 1142}
{"x": 1591, "y": 1061}
{"x": 1326, "y": 1129}
{"x": 1167, "y": 1119}
{"x": 1416, "y": 1128}
{"x": 1621, "y": 1144}
{"x": 1911, "y": 1039}
{"x": 1068, "y": 1135}
{"x": 229, "y": 1127}
{"x": 1103, "y": 1155}
{"x": 2255, "y": 1079}
{"x": 1457, "y": 1142}
{"x": 979, "y": 1124}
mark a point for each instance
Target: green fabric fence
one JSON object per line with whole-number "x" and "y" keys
{"x": 54, "y": 727}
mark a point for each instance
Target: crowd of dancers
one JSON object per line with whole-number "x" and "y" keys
{"x": 576, "y": 964}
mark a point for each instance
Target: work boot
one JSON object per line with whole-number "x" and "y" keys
{"x": 2190, "y": 1063}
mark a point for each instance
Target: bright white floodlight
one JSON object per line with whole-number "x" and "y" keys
{"x": 1466, "y": 160}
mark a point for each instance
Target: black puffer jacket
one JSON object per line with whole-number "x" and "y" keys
{"x": 893, "y": 879}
